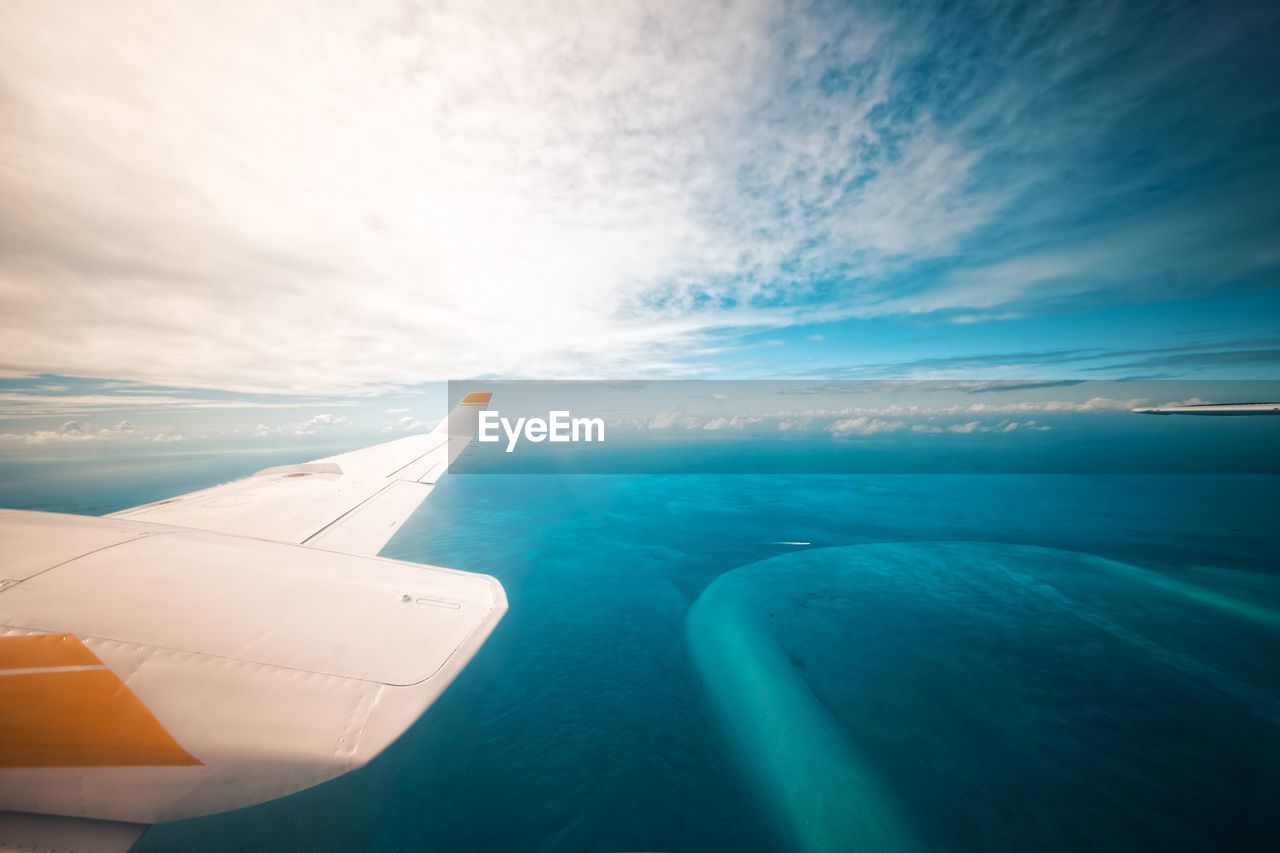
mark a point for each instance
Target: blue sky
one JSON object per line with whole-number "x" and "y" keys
{"x": 236, "y": 221}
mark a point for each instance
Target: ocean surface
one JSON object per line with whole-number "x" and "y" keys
{"x": 948, "y": 662}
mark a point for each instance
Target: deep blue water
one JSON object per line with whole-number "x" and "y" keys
{"x": 1092, "y": 666}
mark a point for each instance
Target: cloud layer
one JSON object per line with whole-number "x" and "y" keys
{"x": 349, "y": 197}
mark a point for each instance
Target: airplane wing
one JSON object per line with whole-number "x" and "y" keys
{"x": 1213, "y": 409}
{"x": 353, "y": 502}
{"x": 19, "y": 831}
{"x": 224, "y": 648}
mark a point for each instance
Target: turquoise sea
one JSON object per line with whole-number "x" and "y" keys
{"x": 951, "y": 662}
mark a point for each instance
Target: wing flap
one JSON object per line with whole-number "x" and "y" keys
{"x": 370, "y": 526}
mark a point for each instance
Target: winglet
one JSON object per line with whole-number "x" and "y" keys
{"x": 464, "y": 421}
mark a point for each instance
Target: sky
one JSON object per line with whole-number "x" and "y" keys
{"x": 299, "y": 219}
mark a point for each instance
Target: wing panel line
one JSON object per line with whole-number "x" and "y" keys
{"x": 389, "y": 484}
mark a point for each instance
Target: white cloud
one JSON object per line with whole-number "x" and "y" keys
{"x": 326, "y": 419}
{"x": 863, "y": 425}
{"x": 275, "y": 196}
{"x": 677, "y": 417}
{"x": 72, "y": 432}
{"x": 408, "y": 423}
{"x": 25, "y": 404}
{"x": 313, "y": 425}
{"x": 957, "y": 418}
{"x": 369, "y": 194}
{"x": 1094, "y": 405}
{"x": 735, "y": 422}
{"x": 794, "y": 424}
{"x": 971, "y": 426}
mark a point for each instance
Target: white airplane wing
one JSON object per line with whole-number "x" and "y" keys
{"x": 224, "y": 648}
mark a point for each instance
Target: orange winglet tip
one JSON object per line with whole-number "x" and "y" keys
{"x": 476, "y": 398}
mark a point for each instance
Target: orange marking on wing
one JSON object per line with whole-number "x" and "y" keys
{"x": 44, "y": 650}
{"x": 476, "y": 398}
{"x": 76, "y": 717}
